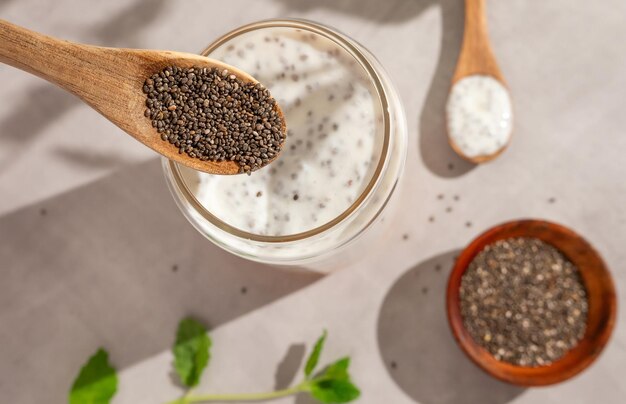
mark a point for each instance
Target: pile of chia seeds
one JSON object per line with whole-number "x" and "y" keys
{"x": 524, "y": 302}
{"x": 211, "y": 114}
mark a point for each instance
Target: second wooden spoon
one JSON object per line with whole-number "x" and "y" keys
{"x": 479, "y": 111}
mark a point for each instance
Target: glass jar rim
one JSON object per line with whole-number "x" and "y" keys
{"x": 353, "y": 50}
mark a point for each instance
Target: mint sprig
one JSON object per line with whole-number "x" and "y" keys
{"x": 332, "y": 385}
{"x": 96, "y": 382}
{"x": 314, "y": 357}
{"x": 191, "y": 351}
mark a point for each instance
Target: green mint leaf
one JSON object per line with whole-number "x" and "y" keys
{"x": 311, "y": 363}
{"x": 191, "y": 351}
{"x": 337, "y": 370}
{"x": 96, "y": 383}
{"x": 334, "y": 391}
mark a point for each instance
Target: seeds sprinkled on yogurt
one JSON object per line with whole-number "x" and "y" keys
{"x": 336, "y": 133}
{"x": 479, "y": 116}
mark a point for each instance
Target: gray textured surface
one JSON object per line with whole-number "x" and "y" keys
{"x": 96, "y": 268}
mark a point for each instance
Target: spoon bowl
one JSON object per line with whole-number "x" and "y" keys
{"x": 476, "y": 59}
{"x": 111, "y": 81}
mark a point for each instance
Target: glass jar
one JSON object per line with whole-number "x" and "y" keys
{"x": 325, "y": 246}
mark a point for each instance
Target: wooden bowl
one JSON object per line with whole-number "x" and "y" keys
{"x": 600, "y": 294}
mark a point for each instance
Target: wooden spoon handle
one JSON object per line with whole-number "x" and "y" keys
{"x": 51, "y": 59}
{"x": 476, "y": 55}
{"x": 80, "y": 69}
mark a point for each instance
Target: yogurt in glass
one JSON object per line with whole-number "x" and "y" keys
{"x": 333, "y": 141}
{"x": 345, "y": 148}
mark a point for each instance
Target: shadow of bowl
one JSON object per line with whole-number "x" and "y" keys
{"x": 417, "y": 348}
{"x": 600, "y": 295}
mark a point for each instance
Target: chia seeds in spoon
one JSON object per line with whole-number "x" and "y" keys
{"x": 524, "y": 302}
{"x": 213, "y": 115}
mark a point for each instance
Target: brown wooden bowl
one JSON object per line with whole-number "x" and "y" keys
{"x": 600, "y": 294}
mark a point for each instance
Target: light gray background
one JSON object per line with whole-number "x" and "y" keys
{"x": 89, "y": 234}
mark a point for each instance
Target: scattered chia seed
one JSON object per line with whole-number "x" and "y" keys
{"x": 393, "y": 365}
{"x": 449, "y": 209}
{"x": 213, "y": 115}
{"x": 551, "y": 200}
{"x": 174, "y": 268}
{"x": 43, "y": 212}
{"x": 405, "y": 236}
{"x": 468, "y": 224}
{"x": 431, "y": 219}
{"x": 524, "y": 302}
{"x": 244, "y": 290}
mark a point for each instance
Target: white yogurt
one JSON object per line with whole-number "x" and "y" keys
{"x": 479, "y": 115}
{"x": 334, "y": 138}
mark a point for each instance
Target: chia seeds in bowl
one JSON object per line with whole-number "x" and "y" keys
{"x": 524, "y": 302}
{"x": 345, "y": 148}
{"x": 591, "y": 271}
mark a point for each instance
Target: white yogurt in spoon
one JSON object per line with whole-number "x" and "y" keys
{"x": 479, "y": 116}
{"x": 334, "y": 138}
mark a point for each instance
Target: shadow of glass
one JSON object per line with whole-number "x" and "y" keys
{"x": 114, "y": 264}
{"x": 122, "y": 28}
{"x": 4, "y": 3}
{"x": 418, "y": 349}
{"x": 389, "y": 11}
{"x": 43, "y": 104}
{"x": 91, "y": 159}
{"x": 40, "y": 106}
{"x": 289, "y": 367}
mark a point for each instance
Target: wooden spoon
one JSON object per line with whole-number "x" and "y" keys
{"x": 476, "y": 58}
{"x": 110, "y": 80}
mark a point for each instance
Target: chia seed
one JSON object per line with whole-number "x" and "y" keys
{"x": 524, "y": 302}
{"x": 211, "y": 114}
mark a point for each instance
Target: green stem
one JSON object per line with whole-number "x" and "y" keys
{"x": 240, "y": 397}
